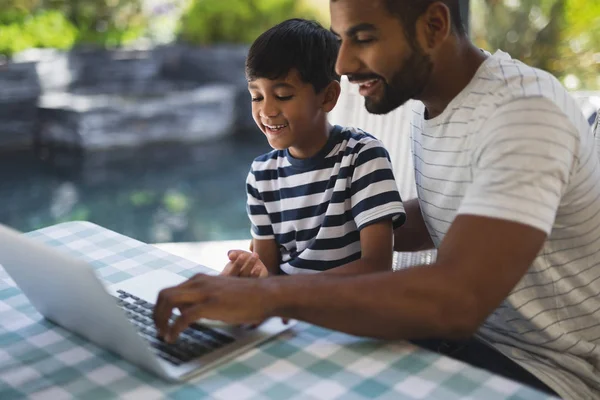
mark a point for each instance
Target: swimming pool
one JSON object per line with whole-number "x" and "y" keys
{"x": 166, "y": 193}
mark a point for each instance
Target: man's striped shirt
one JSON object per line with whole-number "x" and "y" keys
{"x": 514, "y": 145}
{"x": 315, "y": 208}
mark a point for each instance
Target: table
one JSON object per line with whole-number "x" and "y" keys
{"x": 214, "y": 254}
{"x": 42, "y": 361}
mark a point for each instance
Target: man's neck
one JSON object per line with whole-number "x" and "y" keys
{"x": 455, "y": 68}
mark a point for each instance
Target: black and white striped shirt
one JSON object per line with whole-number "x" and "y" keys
{"x": 315, "y": 208}
{"x": 515, "y": 145}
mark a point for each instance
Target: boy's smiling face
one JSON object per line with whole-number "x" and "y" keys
{"x": 290, "y": 114}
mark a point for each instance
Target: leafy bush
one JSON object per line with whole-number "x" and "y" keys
{"x": 61, "y": 24}
{"x": 560, "y": 36}
{"x": 50, "y": 29}
{"x": 236, "y": 21}
{"x": 106, "y": 23}
{"x": 46, "y": 29}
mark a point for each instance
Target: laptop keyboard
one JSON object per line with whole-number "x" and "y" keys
{"x": 195, "y": 341}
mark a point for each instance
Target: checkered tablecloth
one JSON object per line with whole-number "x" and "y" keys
{"x": 42, "y": 361}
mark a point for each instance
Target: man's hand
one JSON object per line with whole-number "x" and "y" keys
{"x": 231, "y": 300}
{"x": 244, "y": 264}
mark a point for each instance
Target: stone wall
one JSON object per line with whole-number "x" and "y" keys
{"x": 19, "y": 91}
{"x": 94, "y": 99}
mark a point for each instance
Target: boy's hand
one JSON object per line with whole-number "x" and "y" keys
{"x": 245, "y": 264}
{"x": 240, "y": 260}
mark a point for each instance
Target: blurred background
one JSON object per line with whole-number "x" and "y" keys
{"x": 134, "y": 114}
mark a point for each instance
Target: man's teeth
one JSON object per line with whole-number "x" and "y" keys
{"x": 368, "y": 83}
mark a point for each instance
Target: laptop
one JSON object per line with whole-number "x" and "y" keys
{"x": 118, "y": 318}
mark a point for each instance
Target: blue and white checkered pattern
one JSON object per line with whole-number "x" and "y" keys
{"x": 39, "y": 360}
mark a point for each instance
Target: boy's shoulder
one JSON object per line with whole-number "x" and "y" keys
{"x": 267, "y": 160}
{"x": 357, "y": 134}
{"x": 356, "y": 139}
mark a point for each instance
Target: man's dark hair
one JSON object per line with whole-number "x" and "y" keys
{"x": 409, "y": 12}
{"x": 295, "y": 43}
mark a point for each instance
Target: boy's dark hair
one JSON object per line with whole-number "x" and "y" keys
{"x": 295, "y": 43}
{"x": 409, "y": 12}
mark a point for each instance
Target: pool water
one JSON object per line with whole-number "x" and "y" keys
{"x": 166, "y": 193}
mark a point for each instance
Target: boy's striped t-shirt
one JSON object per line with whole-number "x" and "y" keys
{"x": 315, "y": 208}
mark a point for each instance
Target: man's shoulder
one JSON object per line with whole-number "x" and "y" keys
{"x": 504, "y": 79}
{"x": 505, "y": 82}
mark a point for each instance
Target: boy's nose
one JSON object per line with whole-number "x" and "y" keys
{"x": 269, "y": 109}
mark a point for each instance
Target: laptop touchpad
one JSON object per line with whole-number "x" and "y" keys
{"x": 147, "y": 286}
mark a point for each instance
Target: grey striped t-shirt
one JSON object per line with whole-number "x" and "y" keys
{"x": 514, "y": 145}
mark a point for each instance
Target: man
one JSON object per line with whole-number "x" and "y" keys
{"x": 508, "y": 192}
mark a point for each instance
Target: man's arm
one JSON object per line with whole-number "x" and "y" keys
{"x": 376, "y": 251}
{"x": 479, "y": 262}
{"x": 413, "y": 235}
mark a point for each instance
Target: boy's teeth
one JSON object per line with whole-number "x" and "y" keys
{"x": 275, "y": 127}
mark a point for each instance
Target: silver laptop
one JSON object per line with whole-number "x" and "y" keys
{"x": 118, "y": 318}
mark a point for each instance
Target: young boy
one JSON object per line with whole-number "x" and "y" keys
{"x": 325, "y": 198}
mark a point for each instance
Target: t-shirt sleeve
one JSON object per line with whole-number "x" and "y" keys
{"x": 260, "y": 221}
{"x": 373, "y": 192}
{"x": 523, "y": 164}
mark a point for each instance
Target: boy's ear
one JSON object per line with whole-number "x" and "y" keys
{"x": 331, "y": 96}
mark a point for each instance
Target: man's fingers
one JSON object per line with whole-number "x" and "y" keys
{"x": 189, "y": 315}
{"x": 175, "y": 297}
{"x": 162, "y": 312}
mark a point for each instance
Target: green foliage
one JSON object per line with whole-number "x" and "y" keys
{"x": 142, "y": 198}
{"x": 236, "y": 21}
{"x": 560, "y": 36}
{"x": 61, "y": 24}
{"x": 580, "y": 44}
{"x": 48, "y": 29}
{"x": 106, "y": 23}
{"x": 176, "y": 202}
{"x": 51, "y": 30}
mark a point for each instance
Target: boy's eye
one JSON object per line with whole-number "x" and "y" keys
{"x": 285, "y": 98}
{"x": 256, "y": 99}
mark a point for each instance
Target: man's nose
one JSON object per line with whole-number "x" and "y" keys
{"x": 347, "y": 63}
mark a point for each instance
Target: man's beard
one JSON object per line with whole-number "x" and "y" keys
{"x": 406, "y": 84}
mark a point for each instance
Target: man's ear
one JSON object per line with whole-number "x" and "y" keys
{"x": 331, "y": 96}
{"x": 434, "y": 26}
